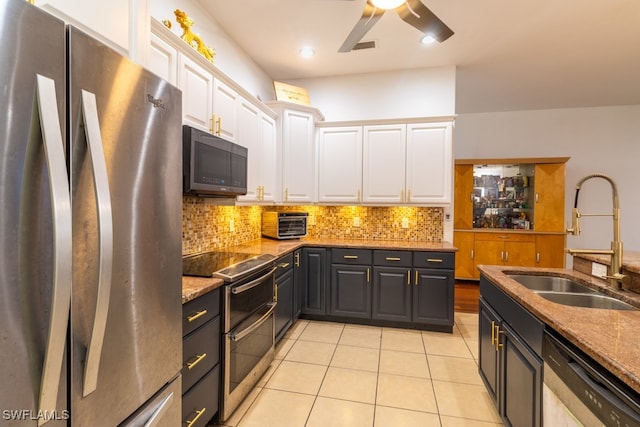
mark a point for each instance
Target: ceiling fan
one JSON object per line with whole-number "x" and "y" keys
{"x": 413, "y": 12}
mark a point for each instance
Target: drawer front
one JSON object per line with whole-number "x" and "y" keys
{"x": 200, "y": 352}
{"x": 284, "y": 264}
{"x": 392, "y": 258}
{"x": 201, "y": 403}
{"x": 505, "y": 237}
{"x": 351, "y": 256}
{"x": 199, "y": 311}
{"x": 434, "y": 259}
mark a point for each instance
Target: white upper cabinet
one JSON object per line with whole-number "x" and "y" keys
{"x": 163, "y": 60}
{"x": 257, "y": 132}
{"x": 429, "y": 163}
{"x": 384, "y": 164}
{"x": 340, "y": 164}
{"x": 226, "y": 105}
{"x": 298, "y": 147}
{"x": 196, "y": 84}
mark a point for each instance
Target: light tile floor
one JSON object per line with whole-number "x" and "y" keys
{"x": 332, "y": 374}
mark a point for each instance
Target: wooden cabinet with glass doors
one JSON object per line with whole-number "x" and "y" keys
{"x": 509, "y": 212}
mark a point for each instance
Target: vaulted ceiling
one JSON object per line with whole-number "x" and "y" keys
{"x": 509, "y": 54}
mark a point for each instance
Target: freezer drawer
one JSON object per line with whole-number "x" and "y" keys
{"x": 201, "y": 403}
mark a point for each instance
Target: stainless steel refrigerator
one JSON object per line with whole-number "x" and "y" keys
{"x": 90, "y": 231}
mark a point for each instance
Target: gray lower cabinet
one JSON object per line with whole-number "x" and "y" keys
{"x": 201, "y": 359}
{"x": 314, "y": 278}
{"x": 284, "y": 295}
{"x": 350, "y": 283}
{"x": 392, "y": 286}
{"x": 510, "y": 356}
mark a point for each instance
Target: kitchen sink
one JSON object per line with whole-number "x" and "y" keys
{"x": 593, "y": 300}
{"x": 569, "y": 292}
{"x": 551, "y": 283}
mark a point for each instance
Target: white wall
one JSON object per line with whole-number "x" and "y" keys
{"x": 386, "y": 95}
{"x": 230, "y": 58}
{"x": 602, "y": 139}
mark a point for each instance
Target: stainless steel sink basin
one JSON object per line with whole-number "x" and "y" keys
{"x": 551, "y": 283}
{"x": 568, "y": 292}
{"x": 586, "y": 300}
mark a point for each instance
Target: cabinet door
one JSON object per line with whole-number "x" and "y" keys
{"x": 163, "y": 60}
{"x": 465, "y": 262}
{"x": 522, "y": 254}
{"x": 429, "y": 163}
{"x": 521, "y": 373}
{"x": 284, "y": 307}
{"x": 314, "y": 280}
{"x": 340, "y": 164}
{"x": 249, "y": 136}
{"x": 350, "y": 291}
{"x": 298, "y": 145}
{"x": 549, "y": 197}
{"x": 196, "y": 84}
{"x": 225, "y": 107}
{"x": 433, "y": 297}
{"x": 462, "y": 197}
{"x": 488, "y": 353}
{"x": 550, "y": 250}
{"x": 268, "y": 159}
{"x": 384, "y": 164}
{"x": 488, "y": 251}
{"x": 392, "y": 294}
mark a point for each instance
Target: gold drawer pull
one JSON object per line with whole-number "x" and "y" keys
{"x": 199, "y": 359}
{"x": 434, "y": 260}
{"x": 196, "y": 316}
{"x": 392, "y": 258}
{"x": 351, "y": 257}
{"x": 284, "y": 265}
{"x": 195, "y": 419}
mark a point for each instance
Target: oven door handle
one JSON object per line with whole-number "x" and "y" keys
{"x": 235, "y": 337}
{"x": 243, "y": 288}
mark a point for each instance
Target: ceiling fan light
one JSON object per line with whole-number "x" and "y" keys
{"x": 427, "y": 39}
{"x": 387, "y": 4}
{"x": 307, "y": 52}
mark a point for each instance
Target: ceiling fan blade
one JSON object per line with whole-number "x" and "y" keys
{"x": 425, "y": 21}
{"x": 370, "y": 15}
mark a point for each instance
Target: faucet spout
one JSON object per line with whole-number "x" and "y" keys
{"x": 616, "y": 277}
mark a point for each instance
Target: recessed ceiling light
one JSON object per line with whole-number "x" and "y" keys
{"x": 427, "y": 39}
{"x": 307, "y": 52}
{"x": 387, "y": 4}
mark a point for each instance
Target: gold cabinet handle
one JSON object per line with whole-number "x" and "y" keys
{"x": 473, "y": 254}
{"x": 499, "y": 332}
{"x": 506, "y": 256}
{"x": 409, "y": 277}
{"x": 351, "y": 257}
{"x": 284, "y": 265}
{"x": 368, "y": 275}
{"x": 493, "y": 333}
{"x": 199, "y": 358}
{"x": 501, "y": 255}
{"x": 358, "y": 196}
{"x": 537, "y": 197}
{"x": 471, "y": 196}
{"x": 286, "y": 194}
{"x": 392, "y": 258}
{"x": 297, "y": 256}
{"x": 212, "y": 128}
{"x": 196, "y": 316}
{"x": 537, "y": 257}
{"x": 219, "y": 123}
{"x": 416, "y": 279}
{"x": 196, "y": 418}
{"x": 435, "y": 260}
{"x": 408, "y": 196}
{"x": 275, "y": 293}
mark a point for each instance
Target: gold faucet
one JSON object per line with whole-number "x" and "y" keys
{"x": 616, "y": 278}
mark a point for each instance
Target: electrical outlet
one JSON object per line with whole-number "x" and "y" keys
{"x": 598, "y": 270}
{"x": 312, "y": 219}
{"x": 405, "y": 222}
{"x": 356, "y": 221}
{"x": 232, "y": 226}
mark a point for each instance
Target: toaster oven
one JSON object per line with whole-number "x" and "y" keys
{"x": 284, "y": 225}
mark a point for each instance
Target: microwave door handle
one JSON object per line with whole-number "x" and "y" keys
{"x": 47, "y": 113}
{"x": 252, "y": 284}
{"x": 243, "y": 333}
{"x": 105, "y": 226}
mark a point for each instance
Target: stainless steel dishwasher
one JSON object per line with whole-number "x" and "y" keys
{"x": 578, "y": 391}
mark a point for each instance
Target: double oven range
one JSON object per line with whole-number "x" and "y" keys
{"x": 248, "y": 326}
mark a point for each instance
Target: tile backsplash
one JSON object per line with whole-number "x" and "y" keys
{"x": 208, "y": 227}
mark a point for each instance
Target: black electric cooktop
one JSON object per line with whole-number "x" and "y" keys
{"x": 229, "y": 266}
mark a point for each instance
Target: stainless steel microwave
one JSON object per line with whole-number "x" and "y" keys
{"x": 212, "y": 166}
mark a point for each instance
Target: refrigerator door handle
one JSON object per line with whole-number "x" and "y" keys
{"x": 61, "y": 213}
{"x": 105, "y": 225}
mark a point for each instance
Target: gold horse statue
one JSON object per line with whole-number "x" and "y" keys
{"x": 192, "y": 39}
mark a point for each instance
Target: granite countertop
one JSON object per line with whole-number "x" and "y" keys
{"x": 193, "y": 287}
{"x": 608, "y": 336}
